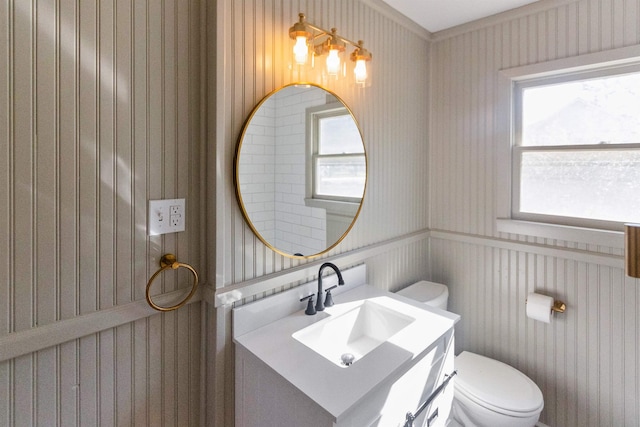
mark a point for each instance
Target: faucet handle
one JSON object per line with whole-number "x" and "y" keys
{"x": 328, "y": 300}
{"x": 311, "y": 310}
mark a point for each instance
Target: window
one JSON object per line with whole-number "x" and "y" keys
{"x": 336, "y": 154}
{"x": 576, "y": 148}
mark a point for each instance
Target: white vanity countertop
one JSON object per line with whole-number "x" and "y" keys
{"x": 336, "y": 388}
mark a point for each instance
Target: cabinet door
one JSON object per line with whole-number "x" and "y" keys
{"x": 265, "y": 399}
{"x": 438, "y": 412}
{"x": 389, "y": 403}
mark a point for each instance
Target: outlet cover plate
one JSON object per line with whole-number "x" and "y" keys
{"x": 166, "y": 216}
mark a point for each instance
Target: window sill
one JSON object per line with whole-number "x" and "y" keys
{"x": 613, "y": 239}
{"x": 334, "y": 206}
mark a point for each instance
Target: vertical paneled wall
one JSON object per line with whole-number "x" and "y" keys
{"x": 99, "y": 112}
{"x": 253, "y": 53}
{"x": 587, "y": 360}
{"x": 256, "y": 54}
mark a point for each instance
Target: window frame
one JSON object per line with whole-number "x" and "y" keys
{"x": 508, "y": 130}
{"x": 347, "y": 205}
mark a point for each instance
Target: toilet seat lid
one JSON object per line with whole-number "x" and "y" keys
{"x": 496, "y": 385}
{"x": 427, "y": 292}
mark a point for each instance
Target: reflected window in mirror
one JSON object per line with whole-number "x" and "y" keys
{"x": 338, "y": 164}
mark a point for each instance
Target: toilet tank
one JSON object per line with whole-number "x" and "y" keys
{"x": 430, "y": 293}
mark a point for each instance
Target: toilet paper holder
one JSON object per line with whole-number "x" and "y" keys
{"x": 559, "y": 306}
{"x": 542, "y": 307}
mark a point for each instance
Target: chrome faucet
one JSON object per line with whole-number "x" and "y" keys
{"x": 319, "y": 304}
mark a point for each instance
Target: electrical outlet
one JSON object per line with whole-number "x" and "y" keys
{"x": 166, "y": 216}
{"x": 175, "y": 220}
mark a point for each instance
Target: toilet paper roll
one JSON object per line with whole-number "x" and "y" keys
{"x": 539, "y": 307}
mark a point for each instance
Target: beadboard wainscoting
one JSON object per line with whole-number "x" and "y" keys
{"x": 586, "y": 361}
{"x": 253, "y": 50}
{"x": 105, "y": 105}
{"x": 100, "y": 111}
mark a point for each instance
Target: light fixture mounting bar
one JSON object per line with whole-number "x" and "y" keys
{"x": 303, "y": 25}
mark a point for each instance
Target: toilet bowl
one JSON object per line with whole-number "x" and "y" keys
{"x": 487, "y": 392}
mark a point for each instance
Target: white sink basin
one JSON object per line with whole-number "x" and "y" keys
{"x": 351, "y": 335}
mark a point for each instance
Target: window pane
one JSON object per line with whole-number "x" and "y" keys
{"x": 339, "y": 135}
{"x": 341, "y": 176}
{"x": 605, "y": 110}
{"x": 591, "y": 184}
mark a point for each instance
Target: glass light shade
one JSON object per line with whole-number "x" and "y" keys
{"x": 300, "y": 50}
{"x": 360, "y": 72}
{"x": 333, "y": 63}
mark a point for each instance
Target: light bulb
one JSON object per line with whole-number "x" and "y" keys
{"x": 333, "y": 63}
{"x": 360, "y": 71}
{"x": 300, "y": 50}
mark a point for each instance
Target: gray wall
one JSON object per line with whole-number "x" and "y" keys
{"x": 586, "y": 361}
{"x": 99, "y": 112}
{"x": 253, "y": 48}
{"x": 105, "y": 106}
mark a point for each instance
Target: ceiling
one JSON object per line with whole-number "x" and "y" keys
{"x": 436, "y": 15}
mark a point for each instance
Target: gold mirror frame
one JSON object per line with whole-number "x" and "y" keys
{"x": 236, "y": 173}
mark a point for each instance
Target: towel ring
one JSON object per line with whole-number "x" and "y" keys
{"x": 168, "y": 261}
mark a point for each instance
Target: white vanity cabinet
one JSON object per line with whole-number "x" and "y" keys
{"x": 265, "y": 398}
{"x": 281, "y": 382}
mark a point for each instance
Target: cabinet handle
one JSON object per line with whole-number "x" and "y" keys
{"x": 410, "y": 418}
{"x": 432, "y": 418}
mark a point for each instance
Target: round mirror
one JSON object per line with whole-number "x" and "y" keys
{"x": 301, "y": 170}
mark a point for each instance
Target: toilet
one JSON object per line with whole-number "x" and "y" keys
{"x": 487, "y": 392}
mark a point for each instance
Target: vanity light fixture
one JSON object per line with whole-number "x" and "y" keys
{"x": 312, "y": 39}
{"x": 632, "y": 250}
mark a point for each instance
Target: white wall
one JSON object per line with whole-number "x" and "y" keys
{"x": 587, "y": 361}
{"x": 256, "y": 166}
{"x": 99, "y": 112}
{"x": 299, "y": 228}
